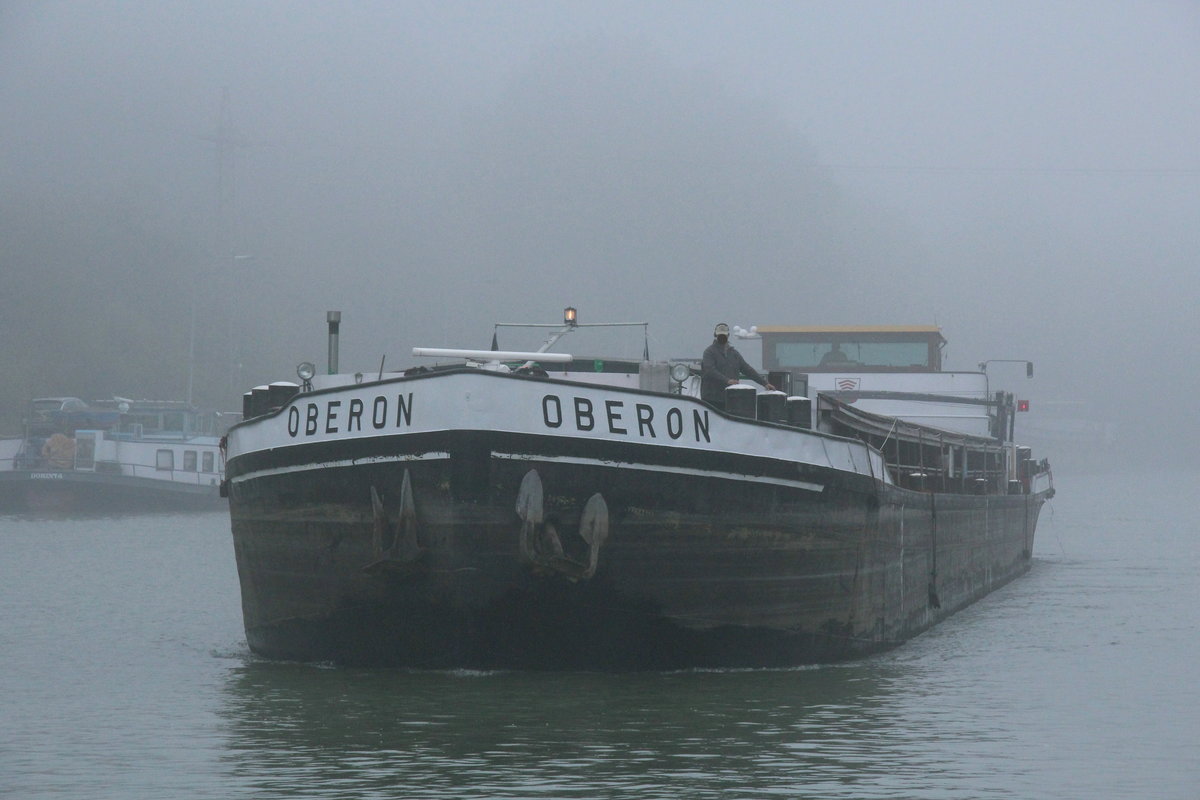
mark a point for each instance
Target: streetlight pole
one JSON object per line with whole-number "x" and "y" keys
{"x": 235, "y": 367}
{"x": 192, "y": 349}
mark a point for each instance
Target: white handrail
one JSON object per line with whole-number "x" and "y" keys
{"x": 492, "y": 355}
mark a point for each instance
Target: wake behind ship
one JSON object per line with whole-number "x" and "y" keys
{"x": 539, "y": 510}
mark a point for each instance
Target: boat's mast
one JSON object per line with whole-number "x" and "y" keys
{"x": 570, "y": 322}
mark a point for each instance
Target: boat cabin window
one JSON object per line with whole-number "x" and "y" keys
{"x": 158, "y": 422}
{"x": 189, "y": 460}
{"x": 846, "y": 349}
{"x": 207, "y": 460}
{"x": 165, "y": 460}
{"x": 85, "y": 450}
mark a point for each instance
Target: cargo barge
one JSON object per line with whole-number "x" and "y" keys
{"x": 537, "y": 510}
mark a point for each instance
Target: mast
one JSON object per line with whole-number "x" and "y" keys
{"x": 225, "y": 235}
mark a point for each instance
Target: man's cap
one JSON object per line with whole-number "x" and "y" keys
{"x": 721, "y": 330}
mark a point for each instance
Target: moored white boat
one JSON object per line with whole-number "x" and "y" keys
{"x": 113, "y": 456}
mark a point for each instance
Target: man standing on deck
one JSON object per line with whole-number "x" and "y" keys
{"x": 723, "y": 366}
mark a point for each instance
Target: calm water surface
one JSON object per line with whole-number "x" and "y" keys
{"x": 124, "y": 674}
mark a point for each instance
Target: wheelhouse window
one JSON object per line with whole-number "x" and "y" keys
{"x": 884, "y": 349}
{"x": 806, "y": 355}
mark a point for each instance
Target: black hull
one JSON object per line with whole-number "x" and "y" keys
{"x": 428, "y": 559}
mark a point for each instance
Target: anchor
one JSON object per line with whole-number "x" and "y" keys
{"x": 540, "y": 542}
{"x": 395, "y": 545}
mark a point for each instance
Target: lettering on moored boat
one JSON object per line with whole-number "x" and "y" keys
{"x": 619, "y": 420}
{"x": 308, "y": 422}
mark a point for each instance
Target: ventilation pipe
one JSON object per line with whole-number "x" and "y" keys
{"x": 335, "y": 321}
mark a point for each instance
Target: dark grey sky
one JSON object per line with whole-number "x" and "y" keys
{"x": 1026, "y": 174}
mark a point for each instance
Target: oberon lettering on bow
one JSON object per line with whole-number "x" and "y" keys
{"x": 620, "y": 418}
{"x": 350, "y": 416}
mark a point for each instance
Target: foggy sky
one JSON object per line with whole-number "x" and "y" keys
{"x": 1025, "y": 174}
